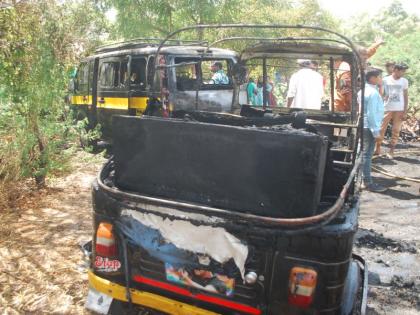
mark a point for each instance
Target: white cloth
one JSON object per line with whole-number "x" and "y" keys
{"x": 306, "y": 88}
{"x": 394, "y": 93}
{"x": 215, "y": 242}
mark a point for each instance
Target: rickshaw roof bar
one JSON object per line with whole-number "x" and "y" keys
{"x": 346, "y": 42}
{"x": 334, "y": 209}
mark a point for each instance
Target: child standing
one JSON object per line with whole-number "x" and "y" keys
{"x": 373, "y": 115}
{"x": 396, "y": 106}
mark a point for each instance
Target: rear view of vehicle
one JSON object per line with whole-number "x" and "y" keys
{"x": 248, "y": 212}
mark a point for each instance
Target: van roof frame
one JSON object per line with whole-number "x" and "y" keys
{"x": 142, "y": 42}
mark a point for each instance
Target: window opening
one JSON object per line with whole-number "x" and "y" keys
{"x": 215, "y": 74}
{"x": 138, "y": 74}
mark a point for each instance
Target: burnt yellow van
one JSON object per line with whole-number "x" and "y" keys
{"x": 118, "y": 80}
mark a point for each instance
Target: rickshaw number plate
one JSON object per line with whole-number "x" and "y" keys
{"x": 98, "y": 302}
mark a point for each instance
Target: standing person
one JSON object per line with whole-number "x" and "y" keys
{"x": 396, "y": 105}
{"x": 342, "y": 93}
{"x": 373, "y": 115}
{"x": 305, "y": 87}
{"x": 251, "y": 91}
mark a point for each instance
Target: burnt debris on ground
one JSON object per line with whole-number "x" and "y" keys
{"x": 388, "y": 234}
{"x": 371, "y": 239}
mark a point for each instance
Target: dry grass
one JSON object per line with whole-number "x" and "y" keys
{"x": 42, "y": 270}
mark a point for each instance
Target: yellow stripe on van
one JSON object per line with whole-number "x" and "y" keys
{"x": 81, "y": 100}
{"x": 139, "y": 103}
{"x": 113, "y": 102}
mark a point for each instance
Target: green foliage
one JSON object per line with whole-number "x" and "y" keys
{"x": 404, "y": 49}
{"x": 157, "y": 18}
{"x": 40, "y": 41}
{"x": 390, "y": 21}
{"x": 88, "y": 137}
{"x": 401, "y": 32}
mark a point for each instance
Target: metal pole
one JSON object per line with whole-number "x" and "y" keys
{"x": 332, "y": 83}
{"x": 264, "y": 82}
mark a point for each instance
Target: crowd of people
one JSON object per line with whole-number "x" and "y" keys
{"x": 385, "y": 99}
{"x": 255, "y": 92}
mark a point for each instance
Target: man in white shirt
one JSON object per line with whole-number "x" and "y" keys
{"x": 305, "y": 87}
{"x": 396, "y": 105}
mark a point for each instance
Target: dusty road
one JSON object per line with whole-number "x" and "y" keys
{"x": 42, "y": 269}
{"x": 389, "y": 238}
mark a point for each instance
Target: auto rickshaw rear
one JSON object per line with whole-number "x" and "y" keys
{"x": 222, "y": 213}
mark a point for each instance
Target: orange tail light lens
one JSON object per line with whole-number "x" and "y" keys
{"x": 302, "y": 283}
{"x": 105, "y": 240}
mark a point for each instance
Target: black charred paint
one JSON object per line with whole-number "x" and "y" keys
{"x": 272, "y": 171}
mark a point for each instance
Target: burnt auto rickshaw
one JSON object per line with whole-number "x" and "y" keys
{"x": 242, "y": 210}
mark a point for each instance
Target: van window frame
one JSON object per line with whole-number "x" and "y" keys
{"x": 199, "y": 73}
{"x": 117, "y": 80}
{"x": 138, "y": 87}
{"x": 82, "y": 78}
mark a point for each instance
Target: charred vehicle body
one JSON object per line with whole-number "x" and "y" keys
{"x": 117, "y": 80}
{"x": 247, "y": 211}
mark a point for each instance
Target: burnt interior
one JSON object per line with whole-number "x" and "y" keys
{"x": 276, "y": 165}
{"x": 335, "y": 174}
{"x": 276, "y": 162}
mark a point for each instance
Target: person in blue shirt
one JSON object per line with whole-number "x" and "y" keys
{"x": 373, "y": 115}
{"x": 259, "y": 98}
{"x": 252, "y": 91}
{"x": 219, "y": 76}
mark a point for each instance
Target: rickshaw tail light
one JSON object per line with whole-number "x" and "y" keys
{"x": 105, "y": 240}
{"x": 302, "y": 284}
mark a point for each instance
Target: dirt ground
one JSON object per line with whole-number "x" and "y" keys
{"x": 42, "y": 270}
{"x": 389, "y": 237}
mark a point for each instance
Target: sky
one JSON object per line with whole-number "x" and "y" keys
{"x": 345, "y": 9}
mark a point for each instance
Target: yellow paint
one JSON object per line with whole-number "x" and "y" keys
{"x": 113, "y": 102}
{"x": 147, "y": 299}
{"x": 139, "y": 103}
{"x": 81, "y": 100}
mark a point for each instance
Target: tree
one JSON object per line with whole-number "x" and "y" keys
{"x": 148, "y": 18}
{"x": 144, "y": 18}
{"x": 39, "y": 42}
{"x": 390, "y": 21}
{"x": 401, "y": 32}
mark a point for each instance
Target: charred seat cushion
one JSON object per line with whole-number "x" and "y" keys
{"x": 267, "y": 172}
